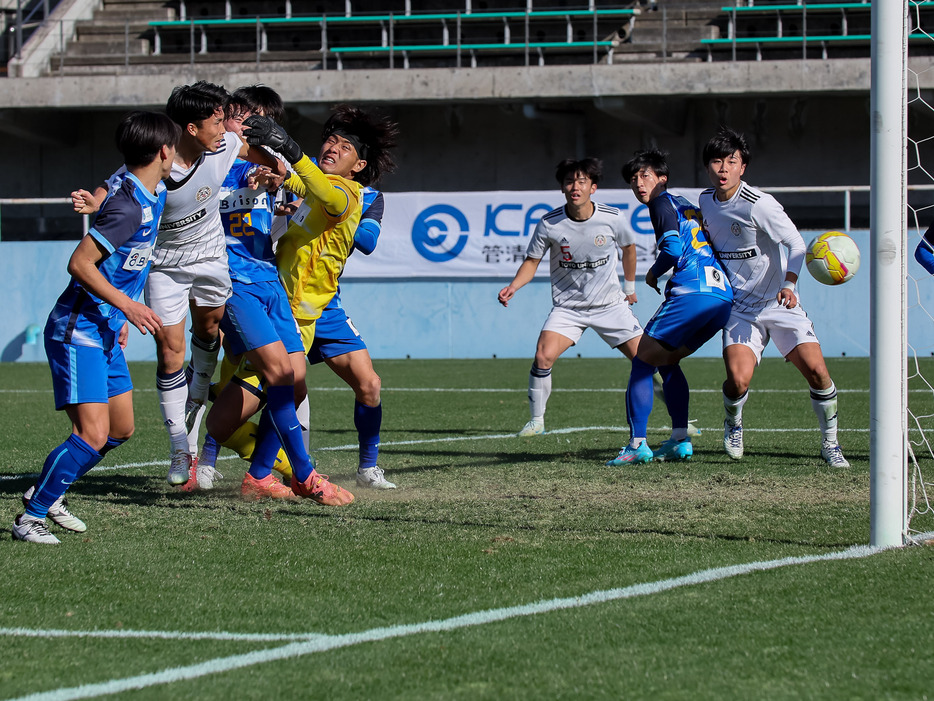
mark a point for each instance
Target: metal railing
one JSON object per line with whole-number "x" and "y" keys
{"x": 13, "y": 201}
{"x": 846, "y": 190}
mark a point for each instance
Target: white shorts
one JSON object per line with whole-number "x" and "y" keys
{"x": 787, "y": 328}
{"x": 615, "y": 324}
{"x": 169, "y": 289}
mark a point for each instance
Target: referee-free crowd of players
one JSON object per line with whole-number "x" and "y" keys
{"x": 219, "y": 216}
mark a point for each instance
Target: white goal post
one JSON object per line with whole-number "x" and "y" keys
{"x": 888, "y": 425}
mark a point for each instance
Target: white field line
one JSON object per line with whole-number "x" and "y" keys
{"x": 322, "y": 643}
{"x": 449, "y": 439}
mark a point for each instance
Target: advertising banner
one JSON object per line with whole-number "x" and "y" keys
{"x": 478, "y": 234}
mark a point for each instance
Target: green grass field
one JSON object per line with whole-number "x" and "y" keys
{"x": 426, "y": 592}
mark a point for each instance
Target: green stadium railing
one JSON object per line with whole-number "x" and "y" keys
{"x": 803, "y": 40}
{"x": 388, "y": 21}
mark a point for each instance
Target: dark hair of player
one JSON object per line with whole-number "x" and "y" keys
{"x": 140, "y": 135}
{"x": 256, "y": 99}
{"x": 725, "y": 143}
{"x": 652, "y": 158}
{"x": 192, "y": 104}
{"x": 591, "y": 167}
{"x": 373, "y": 135}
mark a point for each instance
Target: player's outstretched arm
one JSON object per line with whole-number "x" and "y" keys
{"x": 83, "y": 267}
{"x": 263, "y": 131}
{"x": 523, "y": 276}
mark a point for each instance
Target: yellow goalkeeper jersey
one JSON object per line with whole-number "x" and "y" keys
{"x": 312, "y": 252}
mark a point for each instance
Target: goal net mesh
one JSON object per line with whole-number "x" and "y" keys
{"x": 920, "y": 288}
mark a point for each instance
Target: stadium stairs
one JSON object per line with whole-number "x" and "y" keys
{"x": 148, "y": 36}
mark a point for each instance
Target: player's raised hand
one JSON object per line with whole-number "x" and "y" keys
{"x": 506, "y": 294}
{"x": 142, "y": 317}
{"x": 262, "y": 131}
{"x": 264, "y": 177}
{"x": 83, "y": 202}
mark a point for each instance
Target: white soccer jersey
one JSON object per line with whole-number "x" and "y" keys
{"x": 584, "y": 256}
{"x": 748, "y": 232}
{"x": 191, "y": 228}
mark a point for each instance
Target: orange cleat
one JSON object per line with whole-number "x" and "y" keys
{"x": 269, "y": 487}
{"x": 192, "y": 483}
{"x": 317, "y": 488}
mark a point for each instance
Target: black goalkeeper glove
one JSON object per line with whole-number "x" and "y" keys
{"x": 262, "y": 131}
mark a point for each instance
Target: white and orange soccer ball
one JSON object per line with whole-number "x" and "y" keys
{"x": 832, "y": 258}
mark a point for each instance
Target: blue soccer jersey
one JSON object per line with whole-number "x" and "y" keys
{"x": 684, "y": 249}
{"x": 126, "y": 227}
{"x": 247, "y": 218}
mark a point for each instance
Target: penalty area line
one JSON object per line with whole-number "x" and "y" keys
{"x": 324, "y": 643}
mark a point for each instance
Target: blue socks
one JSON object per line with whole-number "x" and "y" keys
{"x": 61, "y": 468}
{"x": 639, "y": 397}
{"x": 677, "y": 393}
{"x": 279, "y": 426}
{"x": 368, "y": 420}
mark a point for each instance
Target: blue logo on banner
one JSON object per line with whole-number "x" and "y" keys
{"x": 431, "y": 245}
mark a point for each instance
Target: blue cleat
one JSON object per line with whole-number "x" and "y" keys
{"x": 632, "y": 456}
{"x": 672, "y": 450}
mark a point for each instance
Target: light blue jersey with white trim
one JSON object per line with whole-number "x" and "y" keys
{"x": 126, "y": 227}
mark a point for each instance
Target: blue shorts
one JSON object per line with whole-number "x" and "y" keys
{"x": 688, "y": 320}
{"x": 86, "y": 375}
{"x": 258, "y": 314}
{"x": 334, "y": 335}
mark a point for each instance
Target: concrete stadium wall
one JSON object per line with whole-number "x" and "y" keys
{"x": 448, "y": 319}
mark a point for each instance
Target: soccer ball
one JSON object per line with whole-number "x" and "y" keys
{"x": 832, "y": 258}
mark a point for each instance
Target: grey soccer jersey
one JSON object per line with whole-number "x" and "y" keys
{"x": 584, "y": 256}
{"x": 748, "y": 232}
{"x": 191, "y": 228}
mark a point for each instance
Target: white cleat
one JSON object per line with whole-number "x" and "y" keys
{"x": 833, "y": 455}
{"x": 535, "y": 427}
{"x": 32, "y": 530}
{"x": 180, "y": 468}
{"x": 733, "y": 439}
{"x": 59, "y": 513}
{"x": 373, "y": 478}
{"x": 693, "y": 431}
{"x": 206, "y": 472}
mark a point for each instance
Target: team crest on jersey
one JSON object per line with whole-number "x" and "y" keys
{"x": 203, "y": 194}
{"x": 599, "y": 240}
{"x": 736, "y": 229}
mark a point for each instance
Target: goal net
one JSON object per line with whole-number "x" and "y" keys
{"x": 918, "y": 72}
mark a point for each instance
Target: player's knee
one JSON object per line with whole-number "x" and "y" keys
{"x": 95, "y": 437}
{"x": 123, "y": 434}
{"x": 280, "y": 374}
{"x": 369, "y": 390}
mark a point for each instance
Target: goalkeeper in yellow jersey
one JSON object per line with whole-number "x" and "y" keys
{"x": 320, "y": 237}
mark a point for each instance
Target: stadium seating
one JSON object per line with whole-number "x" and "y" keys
{"x": 810, "y": 29}
{"x": 143, "y": 35}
